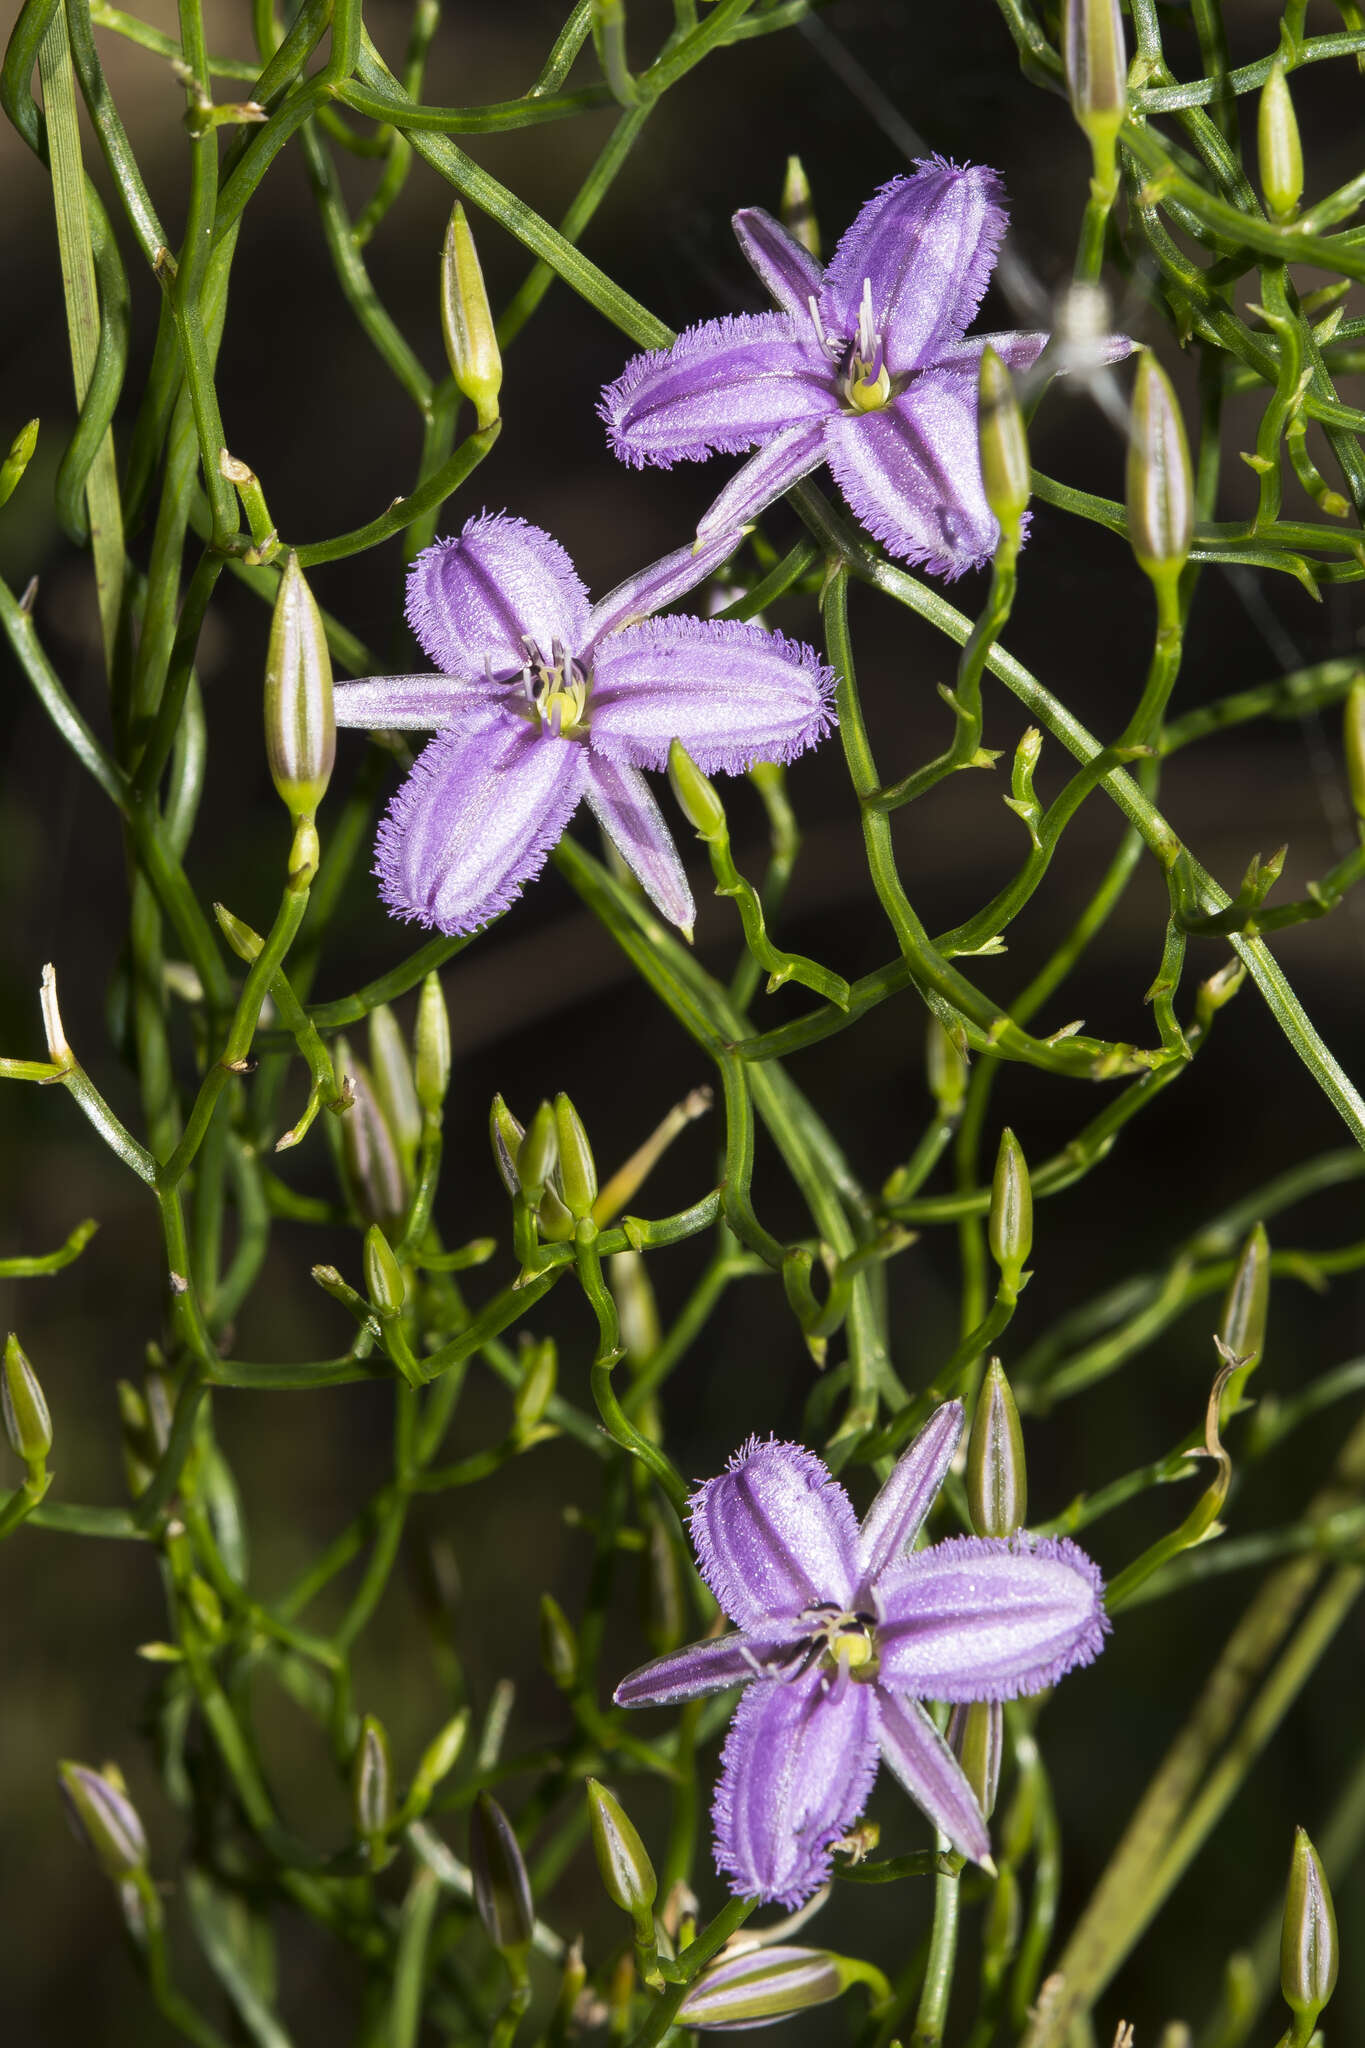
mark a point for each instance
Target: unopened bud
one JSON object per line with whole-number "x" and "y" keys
{"x": 558, "y": 1644}
{"x": 245, "y": 943}
{"x": 374, "y": 1171}
{"x": 502, "y": 1890}
{"x": 1004, "y": 444}
{"x": 696, "y": 794}
{"x": 540, "y": 1370}
{"x": 383, "y": 1274}
{"x": 1010, "y": 1226}
{"x": 505, "y": 1135}
{"x": 372, "y": 1781}
{"x": 976, "y": 1735}
{"x": 1247, "y": 1302}
{"x": 300, "y": 724}
{"x": 431, "y": 1046}
{"x": 17, "y": 461}
{"x": 1278, "y": 146}
{"x": 946, "y": 1063}
{"x": 1096, "y": 65}
{"x": 997, "y": 1484}
{"x": 622, "y": 1858}
{"x": 635, "y": 1305}
{"x": 99, "y": 1804}
{"x": 762, "y": 1984}
{"x": 438, "y": 1759}
{"x": 28, "y": 1425}
{"x": 1309, "y": 1954}
{"x": 1353, "y": 733}
{"x": 536, "y": 1159}
{"x": 1160, "y": 480}
{"x": 664, "y": 1601}
{"x": 205, "y": 1606}
{"x": 563, "y": 2026}
{"x": 391, "y": 1072}
{"x": 797, "y": 207}
{"x": 467, "y": 321}
{"x": 577, "y": 1172}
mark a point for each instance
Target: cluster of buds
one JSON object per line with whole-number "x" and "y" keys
{"x": 548, "y": 1169}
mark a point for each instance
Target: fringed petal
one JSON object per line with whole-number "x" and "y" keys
{"x": 624, "y": 807}
{"x": 789, "y": 456}
{"x": 896, "y": 1516}
{"x": 913, "y": 1748}
{"x": 474, "y": 597}
{"x": 912, "y": 474}
{"x": 712, "y": 1666}
{"x": 723, "y": 386}
{"x": 774, "y": 1535}
{"x": 426, "y": 703}
{"x": 661, "y": 584}
{"x": 789, "y": 274}
{"x": 1021, "y": 350}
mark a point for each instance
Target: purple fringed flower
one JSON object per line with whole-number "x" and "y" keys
{"x": 864, "y": 368}
{"x": 842, "y": 1632}
{"x": 542, "y": 699}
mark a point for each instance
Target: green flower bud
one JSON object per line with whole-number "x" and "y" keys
{"x": 1278, "y": 147}
{"x": 374, "y": 1172}
{"x": 976, "y": 1734}
{"x": 99, "y": 1805}
{"x": 1160, "y": 480}
{"x": 245, "y": 943}
{"x": 1353, "y": 732}
{"x": 1010, "y": 1227}
{"x": 431, "y": 1046}
{"x": 997, "y": 1483}
{"x": 28, "y": 1425}
{"x": 383, "y": 1274}
{"x": 502, "y": 1890}
{"x": 438, "y": 1759}
{"x": 563, "y": 2026}
{"x": 1309, "y": 1954}
{"x": 17, "y": 461}
{"x": 696, "y": 794}
{"x": 1247, "y": 1301}
{"x": 797, "y": 208}
{"x": 205, "y": 1606}
{"x": 467, "y": 322}
{"x": 300, "y": 725}
{"x": 558, "y": 1644}
{"x": 1096, "y": 64}
{"x": 577, "y": 1172}
{"x": 536, "y": 1158}
{"x": 762, "y": 1984}
{"x": 391, "y": 1072}
{"x": 372, "y": 1781}
{"x": 635, "y": 1305}
{"x": 540, "y": 1370}
{"x": 946, "y": 1063}
{"x": 1004, "y": 444}
{"x": 622, "y": 1858}
{"x": 664, "y": 1592}
{"x": 505, "y": 1134}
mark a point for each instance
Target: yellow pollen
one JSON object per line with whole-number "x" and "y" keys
{"x": 854, "y": 1648}
{"x": 866, "y": 395}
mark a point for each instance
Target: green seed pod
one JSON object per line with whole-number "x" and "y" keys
{"x": 976, "y": 1734}
{"x": 467, "y": 321}
{"x": 1309, "y": 1954}
{"x": 383, "y": 1274}
{"x": 997, "y": 1482}
{"x": 622, "y": 1857}
{"x": 577, "y": 1171}
{"x": 536, "y": 1159}
{"x": 431, "y": 1046}
{"x": 372, "y": 1781}
{"x": 762, "y": 1984}
{"x": 502, "y": 1890}
{"x": 1010, "y": 1227}
{"x": 439, "y": 1759}
{"x": 300, "y": 724}
{"x": 558, "y": 1644}
{"x": 505, "y": 1134}
{"x": 1160, "y": 480}
{"x": 1353, "y": 733}
{"x": 1247, "y": 1301}
{"x": 540, "y": 1370}
{"x": 391, "y": 1072}
{"x": 28, "y": 1425}
{"x": 17, "y": 461}
{"x": 797, "y": 207}
{"x": 946, "y": 1064}
{"x": 1096, "y": 64}
{"x": 1004, "y": 444}
{"x": 104, "y": 1814}
{"x": 1278, "y": 147}
{"x": 696, "y": 794}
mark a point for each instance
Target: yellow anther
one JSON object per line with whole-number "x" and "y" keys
{"x": 855, "y": 1648}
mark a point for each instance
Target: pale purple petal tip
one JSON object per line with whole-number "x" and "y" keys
{"x": 797, "y": 1767}
{"x": 474, "y": 596}
{"x": 659, "y": 585}
{"x": 912, "y": 473}
{"x": 712, "y": 1666}
{"x": 788, "y": 457}
{"x": 424, "y": 703}
{"x": 788, "y": 272}
{"x": 918, "y": 1755}
{"x": 731, "y": 692}
{"x": 896, "y": 1516}
{"x": 774, "y": 1534}
{"x": 978, "y": 1619}
{"x": 723, "y": 386}
{"x": 624, "y": 807}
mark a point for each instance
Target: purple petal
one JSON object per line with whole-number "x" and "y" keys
{"x": 912, "y": 473}
{"x": 731, "y": 692}
{"x": 473, "y": 597}
{"x": 896, "y": 1516}
{"x": 711, "y": 1666}
{"x": 724, "y": 385}
{"x": 662, "y": 583}
{"x": 1020, "y": 351}
{"x": 927, "y": 244}
{"x": 789, "y": 456}
{"x": 789, "y": 273}
{"x": 774, "y": 1535}
{"x": 797, "y": 1767}
{"x": 913, "y": 1748}
{"x": 475, "y": 819}
{"x": 976, "y": 1619}
{"x": 626, "y": 811}
{"x": 422, "y": 703}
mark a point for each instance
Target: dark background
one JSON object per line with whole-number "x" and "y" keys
{"x": 545, "y": 1002}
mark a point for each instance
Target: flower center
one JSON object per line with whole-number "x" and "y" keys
{"x": 846, "y": 1641}
{"x": 863, "y": 378}
{"x": 555, "y": 690}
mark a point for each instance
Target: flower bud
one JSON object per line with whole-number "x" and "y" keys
{"x": 502, "y": 1890}
{"x": 431, "y": 1045}
{"x": 797, "y": 208}
{"x": 1308, "y": 1943}
{"x": 558, "y": 1644}
{"x": 1247, "y": 1301}
{"x": 663, "y": 1601}
{"x": 1004, "y": 444}
{"x": 696, "y": 794}
{"x": 438, "y": 1759}
{"x": 245, "y": 943}
{"x": 1160, "y": 481}
{"x": 976, "y": 1734}
{"x": 99, "y": 1805}
{"x": 1010, "y": 1226}
{"x": 1353, "y": 732}
{"x": 383, "y": 1274}
{"x": 635, "y": 1305}
{"x": 536, "y": 1158}
{"x": 762, "y": 1984}
{"x": 391, "y": 1072}
{"x": 577, "y": 1172}
{"x": 28, "y": 1425}
{"x": 505, "y": 1134}
{"x": 1278, "y": 147}
{"x": 622, "y": 1857}
{"x": 372, "y": 1781}
{"x": 997, "y": 1484}
{"x": 540, "y": 1370}
{"x": 1096, "y": 63}
{"x": 467, "y": 322}
{"x": 374, "y": 1172}
{"x": 300, "y": 725}
{"x": 17, "y": 461}
{"x": 205, "y": 1606}
{"x": 946, "y": 1064}
{"x": 564, "y": 2025}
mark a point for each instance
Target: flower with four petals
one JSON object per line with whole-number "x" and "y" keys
{"x": 841, "y": 1632}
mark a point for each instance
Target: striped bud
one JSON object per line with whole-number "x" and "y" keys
{"x": 395, "y": 1092}
{"x": 1096, "y": 64}
{"x": 1309, "y": 1954}
{"x": 383, "y": 1274}
{"x": 577, "y": 1172}
{"x": 372, "y": 1781}
{"x": 300, "y": 725}
{"x": 1160, "y": 481}
{"x": 374, "y": 1171}
{"x": 622, "y": 1858}
{"x": 502, "y": 1890}
{"x": 536, "y": 1158}
{"x": 997, "y": 1482}
{"x": 431, "y": 1046}
{"x": 1004, "y": 444}
{"x": 28, "y": 1425}
{"x": 1010, "y": 1225}
{"x": 505, "y": 1135}
{"x": 467, "y": 322}
{"x": 99, "y": 1805}
{"x": 696, "y": 794}
{"x": 976, "y": 1735}
{"x": 797, "y": 208}
{"x": 1278, "y": 147}
{"x": 762, "y": 1984}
